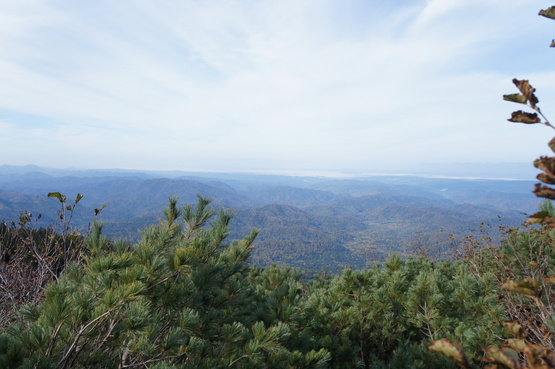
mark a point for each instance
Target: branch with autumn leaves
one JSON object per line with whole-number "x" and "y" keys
{"x": 517, "y": 352}
{"x": 545, "y": 163}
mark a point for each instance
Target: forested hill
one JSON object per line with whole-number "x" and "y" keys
{"x": 308, "y": 222}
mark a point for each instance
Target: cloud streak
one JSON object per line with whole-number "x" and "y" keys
{"x": 239, "y": 85}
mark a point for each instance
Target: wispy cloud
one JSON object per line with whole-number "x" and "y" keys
{"x": 312, "y": 84}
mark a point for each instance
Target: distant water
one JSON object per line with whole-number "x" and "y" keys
{"x": 505, "y": 171}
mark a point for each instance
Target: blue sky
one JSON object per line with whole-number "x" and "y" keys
{"x": 265, "y": 85}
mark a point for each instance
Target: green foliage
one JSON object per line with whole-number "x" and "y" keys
{"x": 184, "y": 297}
{"x": 180, "y": 297}
{"x": 362, "y": 317}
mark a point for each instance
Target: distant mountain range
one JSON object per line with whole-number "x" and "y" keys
{"x": 308, "y": 222}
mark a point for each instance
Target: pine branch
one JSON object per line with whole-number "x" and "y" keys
{"x": 149, "y": 361}
{"x": 78, "y": 336}
{"x": 236, "y": 360}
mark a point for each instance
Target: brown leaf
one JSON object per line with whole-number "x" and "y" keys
{"x": 549, "y": 358}
{"x": 524, "y": 117}
{"x": 547, "y": 164}
{"x": 546, "y": 179}
{"x": 97, "y": 211}
{"x": 544, "y": 191}
{"x": 551, "y": 144}
{"x": 537, "y": 218}
{"x": 505, "y": 356}
{"x": 541, "y": 217}
{"x": 527, "y": 90}
{"x": 534, "y": 356}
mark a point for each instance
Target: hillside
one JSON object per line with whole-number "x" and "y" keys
{"x": 308, "y": 222}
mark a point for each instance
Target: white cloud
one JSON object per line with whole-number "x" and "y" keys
{"x": 290, "y": 83}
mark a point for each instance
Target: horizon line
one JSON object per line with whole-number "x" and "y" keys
{"x": 297, "y": 173}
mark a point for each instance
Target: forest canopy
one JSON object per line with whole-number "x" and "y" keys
{"x": 185, "y": 296}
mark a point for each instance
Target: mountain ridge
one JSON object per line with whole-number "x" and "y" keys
{"x": 307, "y": 222}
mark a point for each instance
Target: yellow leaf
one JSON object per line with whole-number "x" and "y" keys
{"x": 452, "y": 350}
{"x": 517, "y": 98}
{"x": 528, "y": 287}
{"x": 513, "y": 328}
{"x": 548, "y": 13}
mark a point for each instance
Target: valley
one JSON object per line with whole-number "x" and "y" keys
{"x": 313, "y": 223}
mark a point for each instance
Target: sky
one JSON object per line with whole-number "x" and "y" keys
{"x": 265, "y": 85}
